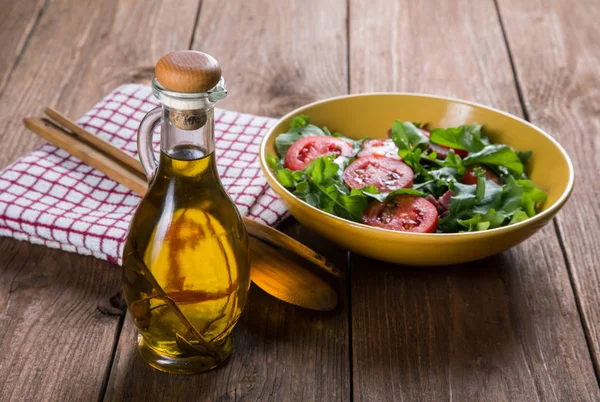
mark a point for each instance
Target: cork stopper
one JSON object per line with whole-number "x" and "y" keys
{"x": 188, "y": 71}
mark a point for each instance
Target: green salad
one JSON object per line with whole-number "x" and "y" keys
{"x": 417, "y": 180}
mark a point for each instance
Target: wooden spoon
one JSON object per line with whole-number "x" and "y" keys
{"x": 287, "y": 280}
{"x": 139, "y": 185}
{"x": 274, "y": 272}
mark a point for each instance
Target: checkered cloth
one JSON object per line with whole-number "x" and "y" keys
{"x": 49, "y": 197}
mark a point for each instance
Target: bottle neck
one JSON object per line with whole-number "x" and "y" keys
{"x": 198, "y": 131}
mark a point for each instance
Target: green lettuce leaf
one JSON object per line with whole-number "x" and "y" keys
{"x": 496, "y": 155}
{"x": 518, "y": 216}
{"x": 532, "y": 197}
{"x": 326, "y": 191}
{"x": 372, "y": 192}
{"x": 464, "y": 198}
{"x": 467, "y": 137}
{"x": 407, "y": 137}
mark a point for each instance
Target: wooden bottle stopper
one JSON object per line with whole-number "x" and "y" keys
{"x": 188, "y": 71}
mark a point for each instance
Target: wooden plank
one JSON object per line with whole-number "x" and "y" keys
{"x": 71, "y": 75}
{"x": 18, "y": 20}
{"x": 505, "y": 328}
{"x": 282, "y": 352}
{"x": 276, "y": 57}
{"x": 56, "y": 344}
{"x": 554, "y": 47}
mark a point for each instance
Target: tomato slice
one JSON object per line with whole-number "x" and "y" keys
{"x": 406, "y": 213}
{"x": 306, "y": 149}
{"x": 385, "y": 148}
{"x": 442, "y": 151}
{"x": 471, "y": 178}
{"x": 384, "y": 173}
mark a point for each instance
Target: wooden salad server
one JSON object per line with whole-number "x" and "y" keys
{"x": 275, "y": 272}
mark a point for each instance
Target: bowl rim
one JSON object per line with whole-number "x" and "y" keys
{"x": 546, "y": 214}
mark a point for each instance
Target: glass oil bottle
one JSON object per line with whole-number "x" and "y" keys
{"x": 186, "y": 265}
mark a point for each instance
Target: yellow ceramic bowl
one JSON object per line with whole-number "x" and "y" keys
{"x": 371, "y": 115}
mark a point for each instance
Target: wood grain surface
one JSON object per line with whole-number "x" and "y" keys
{"x": 56, "y": 343}
{"x": 505, "y": 328}
{"x": 94, "y": 48}
{"x": 559, "y": 77}
{"x": 281, "y": 352}
{"x": 281, "y": 54}
{"x": 59, "y": 345}
{"x": 18, "y": 21}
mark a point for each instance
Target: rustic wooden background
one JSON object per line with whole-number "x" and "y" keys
{"x": 524, "y": 325}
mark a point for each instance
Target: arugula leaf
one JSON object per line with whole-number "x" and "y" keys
{"x": 470, "y": 203}
{"x": 284, "y": 141}
{"x": 478, "y": 222}
{"x": 434, "y": 187}
{"x": 471, "y": 223}
{"x": 479, "y": 193}
{"x": 325, "y": 191}
{"x": 410, "y": 140}
{"x": 450, "y": 224}
{"x": 491, "y": 198}
{"x": 482, "y": 226}
{"x": 524, "y": 156}
{"x": 494, "y": 218}
{"x": 372, "y": 192}
{"x": 407, "y": 191}
{"x": 407, "y": 137}
{"x": 518, "y": 216}
{"x": 299, "y": 127}
{"x": 467, "y": 137}
{"x": 285, "y": 177}
{"x": 273, "y": 162}
{"x": 511, "y": 196}
{"x": 300, "y": 121}
{"x": 532, "y": 196}
{"x": 498, "y": 155}
{"x": 452, "y": 160}
{"x": 464, "y": 198}
{"x": 322, "y": 169}
{"x": 446, "y": 174}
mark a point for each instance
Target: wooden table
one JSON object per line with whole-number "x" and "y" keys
{"x": 521, "y": 326}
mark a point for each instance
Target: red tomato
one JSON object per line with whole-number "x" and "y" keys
{"x": 471, "y": 178}
{"x": 442, "y": 151}
{"x": 385, "y": 148}
{"x": 406, "y": 213}
{"x": 384, "y": 173}
{"x": 306, "y": 149}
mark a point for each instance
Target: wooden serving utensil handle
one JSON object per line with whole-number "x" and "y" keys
{"x": 119, "y": 166}
{"x": 275, "y": 273}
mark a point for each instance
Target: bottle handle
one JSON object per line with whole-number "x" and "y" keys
{"x": 144, "y": 142}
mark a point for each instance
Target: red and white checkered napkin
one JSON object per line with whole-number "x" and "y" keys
{"x": 49, "y": 197}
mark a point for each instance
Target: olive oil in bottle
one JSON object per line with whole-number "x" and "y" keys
{"x": 186, "y": 265}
